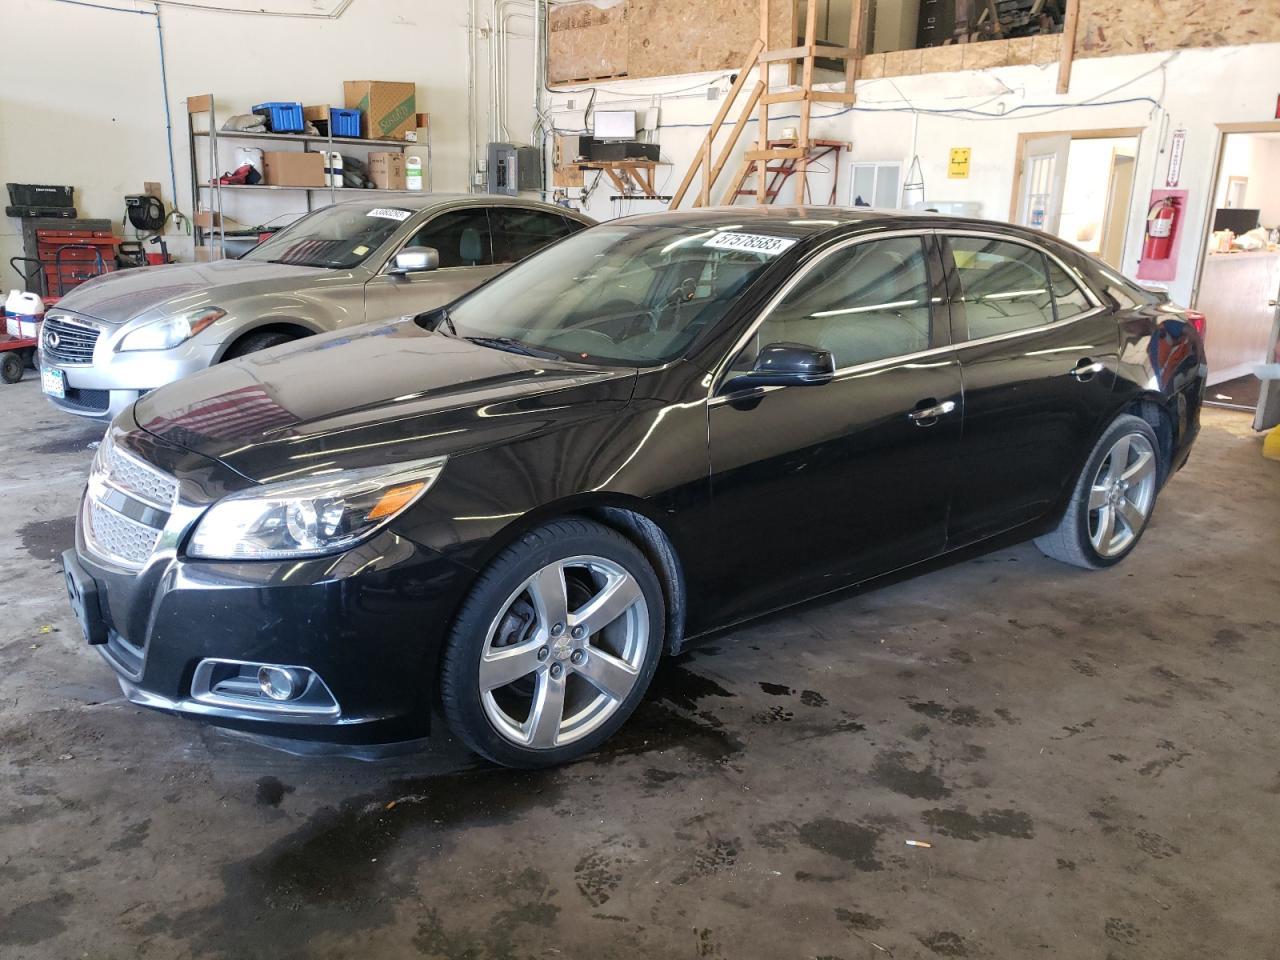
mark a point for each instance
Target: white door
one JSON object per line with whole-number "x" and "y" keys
{"x": 1044, "y": 180}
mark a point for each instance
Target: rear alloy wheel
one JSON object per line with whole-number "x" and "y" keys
{"x": 10, "y": 367}
{"x": 555, "y": 646}
{"x": 1113, "y": 499}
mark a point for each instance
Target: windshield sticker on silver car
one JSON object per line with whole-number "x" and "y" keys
{"x": 389, "y": 213}
{"x": 750, "y": 243}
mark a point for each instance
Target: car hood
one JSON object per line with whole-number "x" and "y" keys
{"x": 374, "y": 395}
{"x": 126, "y": 294}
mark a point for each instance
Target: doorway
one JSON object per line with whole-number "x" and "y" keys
{"x": 1078, "y": 185}
{"x": 1239, "y": 281}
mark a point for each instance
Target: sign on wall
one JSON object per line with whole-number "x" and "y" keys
{"x": 1177, "y": 147}
{"x": 958, "y": 167}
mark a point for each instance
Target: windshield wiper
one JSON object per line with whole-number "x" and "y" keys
{"x": 511, "y": 345}
{"x": 446, "y": 320}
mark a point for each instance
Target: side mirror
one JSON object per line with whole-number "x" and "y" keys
{"x": 786, "y": 365}
{"x": 414, "y": 260}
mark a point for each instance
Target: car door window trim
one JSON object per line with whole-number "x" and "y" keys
{"x": 722, "y": 368}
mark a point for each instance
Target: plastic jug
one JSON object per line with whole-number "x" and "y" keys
{"x": 23, "y": 311}
{"x": 413, "y": 173}
{"x": 249, "y": 155}
{"x": 335, "y": 169}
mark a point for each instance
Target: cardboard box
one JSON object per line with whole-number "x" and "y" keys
{"x": 387, "y": 109}
{"x": 387, "y": 171}
{"x": 207, "y": 219}
{"x": 292, "y": 168}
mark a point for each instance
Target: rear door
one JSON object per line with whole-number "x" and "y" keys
{"x": 816, "y": 486}
{"x": 520, "y": 232}
{"x": 464, "y": 239}
{"x": 1039, "y": 355}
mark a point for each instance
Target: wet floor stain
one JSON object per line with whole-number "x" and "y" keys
{"x": 84, "y": 442}
{"x": 963, "y": 825}
{"x": 891, "y": 768}
{"x": 858, "y": 920}
{"x": 854, "y": 843}
{"x": 35, "y": 922}
{"x": 677, "y": 684}
{"x": 946, "y": 943}
{"x": 344, "y": 869}
{"x": 776, "y": 689}
{"x": 961, "y": 716}
{"x": 812, "y": 698}
{"x": 46, "y": 539}
{"x": 270, "y": 792}
{"x": 527, "y": 898}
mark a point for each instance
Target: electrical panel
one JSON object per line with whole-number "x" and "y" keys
{"x": 513, "y": 169}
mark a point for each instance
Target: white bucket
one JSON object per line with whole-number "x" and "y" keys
{"x": 335, "y": 169}
{"x": 23, "y": 312}
{"x": 413, "y": 173}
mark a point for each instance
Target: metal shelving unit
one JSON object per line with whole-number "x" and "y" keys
{"x": 209, "y": 187}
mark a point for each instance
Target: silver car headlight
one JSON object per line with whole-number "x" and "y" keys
{"x": 167, "y": 332}
{"x": 307, "y": 518}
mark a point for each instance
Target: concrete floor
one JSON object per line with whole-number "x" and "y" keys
{"x": 1091, "y": 755}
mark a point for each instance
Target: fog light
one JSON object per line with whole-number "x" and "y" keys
{"x": 281, "y": 683}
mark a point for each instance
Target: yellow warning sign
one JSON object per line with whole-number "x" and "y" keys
{"x": 958, "y": 168}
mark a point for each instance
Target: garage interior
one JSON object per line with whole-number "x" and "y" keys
{"x": 998, "y": 757}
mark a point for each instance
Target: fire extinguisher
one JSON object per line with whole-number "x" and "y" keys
{"x": 1162, "y": 223}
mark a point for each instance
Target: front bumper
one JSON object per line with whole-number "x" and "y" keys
{"x": 104, "y": 386}
{"x": 369, "y": 623}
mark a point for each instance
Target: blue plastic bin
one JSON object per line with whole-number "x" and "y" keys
{"x": 282, "y": 116}
{"x": 344, "y": 123}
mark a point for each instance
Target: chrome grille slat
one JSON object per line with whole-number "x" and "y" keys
{"x": 119, "y": 537}
{"x": 74, "y": 340}
{"x": 133, "y": 476}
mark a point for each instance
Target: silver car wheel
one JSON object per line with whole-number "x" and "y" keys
{"x": 564, "y": 652}
{"x": 1122, "y": 494}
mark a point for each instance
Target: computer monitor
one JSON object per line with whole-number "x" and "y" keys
{"x": 615, "y": 125}
{"x": 1236, "y": 219}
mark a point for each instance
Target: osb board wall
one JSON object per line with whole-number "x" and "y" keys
{"x": 658, "y": 38}
{"x": 962, "y": 56}
{"x": 586, "y": 42}
{"x": 1139, "y": 26}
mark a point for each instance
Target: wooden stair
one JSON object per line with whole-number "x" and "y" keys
{"x": 769, "y": 154}
{"x": 789, "y": 157}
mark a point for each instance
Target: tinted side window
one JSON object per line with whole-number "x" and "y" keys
{"x": 867, "y": 302}
{"x": 461, "y": 237}
{"x": 1004, "y": 286}
{"x": 1069, "y": 300}
{"x": 520, "y": 233}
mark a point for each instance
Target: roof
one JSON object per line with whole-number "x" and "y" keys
{"x": 793, "y": 221}
{"x": 421, "y": 201}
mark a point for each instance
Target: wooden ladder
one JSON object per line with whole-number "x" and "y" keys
{"x": 760, "y": 99}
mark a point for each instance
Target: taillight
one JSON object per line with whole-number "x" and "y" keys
{"x": 1197, "y": 320}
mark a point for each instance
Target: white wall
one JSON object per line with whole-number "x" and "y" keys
{"x": 1195, "y": 89}
{"x": 84, "y": 107}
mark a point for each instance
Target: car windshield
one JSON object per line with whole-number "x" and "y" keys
{"x": 338, "y": 237}
{"x": 633, "y": 294}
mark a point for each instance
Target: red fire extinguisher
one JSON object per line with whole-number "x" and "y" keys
{"x": 1162, "y": 223}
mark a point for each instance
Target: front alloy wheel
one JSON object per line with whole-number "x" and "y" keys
{"x": 555, "y": 645}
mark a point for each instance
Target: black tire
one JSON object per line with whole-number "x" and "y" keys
{"x": 11, "y": 367}
{"x": 460, "y": 668}
{"x": 33, "y": 358}
{"x": 1070, "y": 541}
{"x": 254, "y": 342}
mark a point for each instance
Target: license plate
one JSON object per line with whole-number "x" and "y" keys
{"x": 82, "y": 591}
{"x": 54, "y": 382}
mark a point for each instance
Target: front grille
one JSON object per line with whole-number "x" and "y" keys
{"x": 134, "y": 476}
{"x": 65, "y": 340}
{"x": 118, "y": 537}
{"x": 91, "y": 401}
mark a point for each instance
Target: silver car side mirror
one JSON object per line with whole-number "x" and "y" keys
{"x": 415, "y": 260}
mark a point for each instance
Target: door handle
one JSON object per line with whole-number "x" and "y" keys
{"x": 1087, "y": 369}
{"x": 928, "y": 416}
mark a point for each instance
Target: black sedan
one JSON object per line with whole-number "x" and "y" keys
{"x": 509, "y": 509}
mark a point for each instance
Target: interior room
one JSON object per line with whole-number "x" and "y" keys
{"x": 573, "y": 479}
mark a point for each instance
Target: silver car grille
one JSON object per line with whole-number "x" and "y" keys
{"x": 65, "y": 340}
{"x": 121, "y": 489}
{"x": 118, "y": 538}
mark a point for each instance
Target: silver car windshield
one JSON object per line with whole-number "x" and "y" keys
{"x": 338, "y": 237}
{"x": 617, "y": 294}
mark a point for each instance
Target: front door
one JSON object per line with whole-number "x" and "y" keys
{"x": 817, "y": 486}
{"x": 1039, "y": 358}
{"x": 463, "y": 239}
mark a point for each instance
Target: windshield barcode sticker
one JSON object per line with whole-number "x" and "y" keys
{"x": 750, "y": 243}
{"x": 389, "y": 213}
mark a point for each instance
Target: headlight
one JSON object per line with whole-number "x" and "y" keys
{"x": 306, "y": 518}
{"x": 168, "y": 332}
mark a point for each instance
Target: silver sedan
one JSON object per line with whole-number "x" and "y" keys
{"x": 114, "y": 338}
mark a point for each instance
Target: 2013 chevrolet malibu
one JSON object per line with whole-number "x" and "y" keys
{"x": 112, "y": 339}
{"x": 512, "y": 507}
